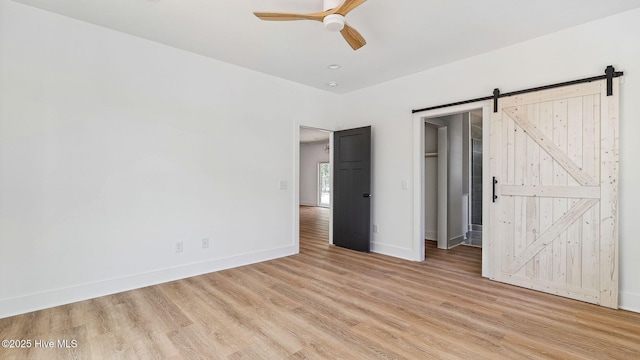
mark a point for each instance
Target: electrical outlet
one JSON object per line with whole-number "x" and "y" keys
{"x": 179, "y": 246}
{"x": 405, "y": 185}
{"x": 205, "y": 243}
{"x": 375, "y": 228}
{"x": 283, "y": 185}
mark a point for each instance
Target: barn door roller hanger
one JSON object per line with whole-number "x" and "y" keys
{"x": 609, "y": 74}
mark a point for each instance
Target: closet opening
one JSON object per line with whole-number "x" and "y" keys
{"x": 453, "y": 179}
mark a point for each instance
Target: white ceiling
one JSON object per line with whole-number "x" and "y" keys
{"x": 308, "y": 135}
{"x": 403, "y": 36}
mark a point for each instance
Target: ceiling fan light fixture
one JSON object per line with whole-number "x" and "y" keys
{"x": 332, "y": 18}
{"x": 333, "y": 22}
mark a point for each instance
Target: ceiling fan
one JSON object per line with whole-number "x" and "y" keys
{"x": 332, "y": 17}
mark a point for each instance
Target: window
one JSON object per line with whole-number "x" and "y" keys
{"x": 324, "y": 184}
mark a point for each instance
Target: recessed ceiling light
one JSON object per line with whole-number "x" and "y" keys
{"x": 332, "y": 84}
{"x": 334, "y": 66}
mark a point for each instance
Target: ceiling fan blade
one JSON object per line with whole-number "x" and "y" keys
{"x": 269, "y": 16}
{"x": 353, "y": 37}
{"x": 347, "y": 6}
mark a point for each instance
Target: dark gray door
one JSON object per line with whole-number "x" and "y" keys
{"x": 352, "y": 189}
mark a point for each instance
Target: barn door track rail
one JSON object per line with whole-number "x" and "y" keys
{"x": 609, "y": 73}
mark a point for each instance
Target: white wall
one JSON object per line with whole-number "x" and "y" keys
{"x": 570, "y": 54}
{"x": 112, "y": 148}
{"x": 310, "y": 155}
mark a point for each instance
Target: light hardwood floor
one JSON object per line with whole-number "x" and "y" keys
{"x": 331, "y": 303}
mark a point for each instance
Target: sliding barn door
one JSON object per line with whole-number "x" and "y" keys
{"x": 554, "y": 155}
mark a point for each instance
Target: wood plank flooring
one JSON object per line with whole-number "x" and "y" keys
{"x": 331, "y": 303}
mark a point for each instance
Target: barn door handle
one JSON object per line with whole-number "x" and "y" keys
{"x": 494, "y": 189}
{"x": 366, "y": 195}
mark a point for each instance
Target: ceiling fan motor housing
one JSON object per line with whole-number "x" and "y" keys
{"x": 334, "y": 22}
{"x": 331, "y": 4}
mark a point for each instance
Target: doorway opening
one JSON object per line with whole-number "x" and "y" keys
{"x": 314, "y": 183}
{"x": 451, "y": 201}
{"x": 453, "y": 179}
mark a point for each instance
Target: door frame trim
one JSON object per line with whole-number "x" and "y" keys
{"x": 419, "y": 178}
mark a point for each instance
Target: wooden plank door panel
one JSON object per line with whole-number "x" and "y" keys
{"x": 555, "y": 155}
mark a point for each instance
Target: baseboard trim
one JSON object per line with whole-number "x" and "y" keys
{"x": 455, "y": 241}
{"x": 628, "y": 301}
{"x": 304, "y": 203}
{"x": 430, "y": 235}
{"x": 53, "y": 298}
{"x": 402, "y": 253}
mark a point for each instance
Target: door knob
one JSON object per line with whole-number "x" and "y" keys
{"x": 366, "y": 195}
